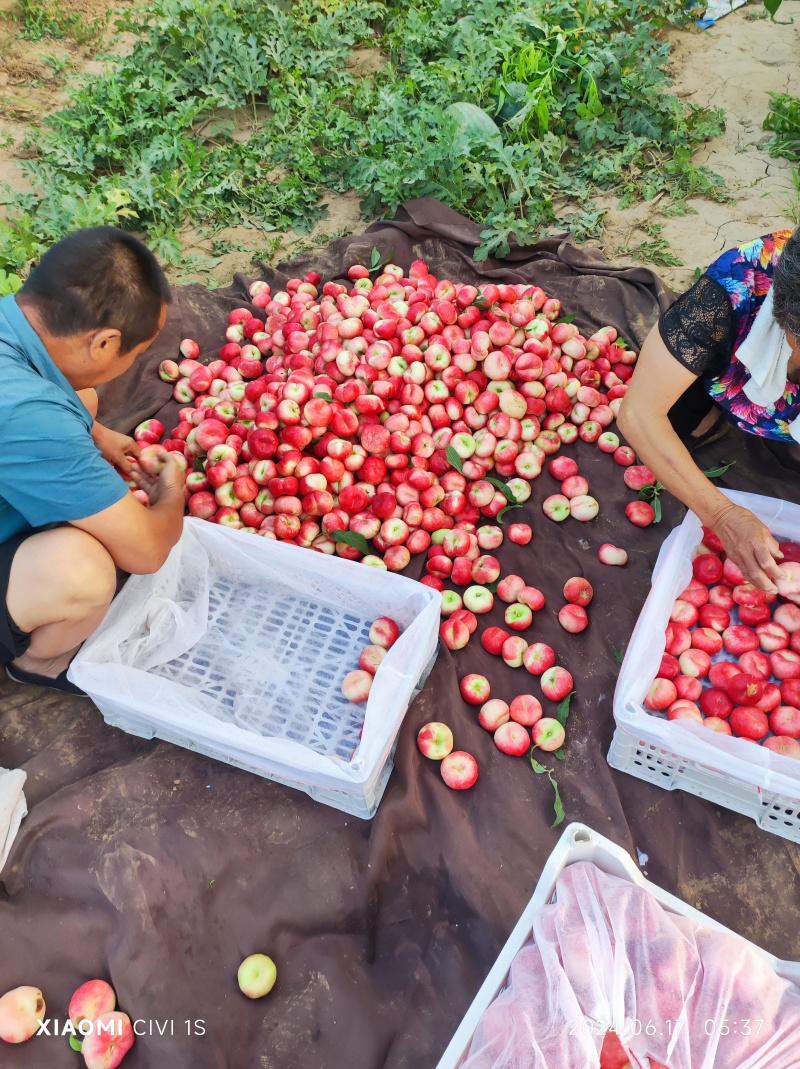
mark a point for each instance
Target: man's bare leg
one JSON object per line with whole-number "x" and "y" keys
{"x": 59, "y": 589}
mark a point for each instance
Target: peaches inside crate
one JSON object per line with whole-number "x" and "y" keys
{"x": 734, "y": 771}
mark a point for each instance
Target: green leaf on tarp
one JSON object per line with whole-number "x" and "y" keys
{"x": 476, "y": 125}
{"x": 454, "y": 460}
{"x": 377, "y": 262}
{"x": 503, "y": 511}
{"x": 619, "y": 656}
{"x": 498, "y": 484}
{"x": 322, "y": 396}
{"x": 620, "y": 344}
{"x": 567, "y": 319}
{"x": 560, "y": 753}
{"x": 714, "y": 473}
{"x": 651, "y": 494}
{"x": 351, "y": 538}
{"x": 562, "y": 709}
{"x": 76, "y": 1043}
{"x": 558, "y": 807}
{"x": 492, "y": 587}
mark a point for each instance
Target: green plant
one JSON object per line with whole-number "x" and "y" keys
{"x": 656, "y": 250}
{"x": 783, "y": 119}
{"x": 269, "y": 252}
{"x": 517, "y": 119}
{"x": 772, "y": 7}
{"x": 25, "y": 235}
{"x": 58, "y": 64}
{"x": 793, "y": 207}
{"x": 40, "y": 19}
{"x": 9, "y": 283}
{"x": 196, "y": 267}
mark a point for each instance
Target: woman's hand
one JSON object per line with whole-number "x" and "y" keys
{"x": 750, "y": 545}
{"x": 116, "y": 448}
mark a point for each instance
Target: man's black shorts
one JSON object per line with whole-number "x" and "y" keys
{"x": 13, "y": 641}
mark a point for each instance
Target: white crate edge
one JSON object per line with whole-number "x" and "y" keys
{"x": 363, "y": 803}
{"x": 579, "y": 842}
{"x": 213, "y": 741}
{"x": 651, "y": 762}
{"x": 680, "y": 737}
{"x": 356, "y": 805}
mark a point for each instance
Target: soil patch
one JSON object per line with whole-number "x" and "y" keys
{"x": 733, "y": 65}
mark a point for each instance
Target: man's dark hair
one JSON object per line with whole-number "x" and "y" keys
{"x": 95, "y": 278}
{"x": 786, "y": 286}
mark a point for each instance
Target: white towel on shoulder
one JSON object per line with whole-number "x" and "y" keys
{"x": 765, "y": 353}
{"x": 12, "y": 808}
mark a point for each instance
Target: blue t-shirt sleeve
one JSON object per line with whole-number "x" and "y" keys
{"x": 52, "y": 471}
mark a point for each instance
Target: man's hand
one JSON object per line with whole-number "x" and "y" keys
{"x": 170, "y": 481}
{"x": 750, "y": 545}
{"x": 116, "y": 448}
{"x": 139, "y": 539}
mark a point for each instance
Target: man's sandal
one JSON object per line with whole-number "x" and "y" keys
{"x": 59, "y": 682}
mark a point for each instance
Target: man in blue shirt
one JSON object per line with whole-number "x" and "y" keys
{"x": 94, "y": 302}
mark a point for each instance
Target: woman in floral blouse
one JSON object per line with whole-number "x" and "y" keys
{"x": 726, "y": 352}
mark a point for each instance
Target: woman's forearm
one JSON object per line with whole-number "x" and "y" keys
{"x": 657, "y": 384}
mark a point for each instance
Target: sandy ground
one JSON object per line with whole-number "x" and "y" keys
{"x": 734, "y": 65}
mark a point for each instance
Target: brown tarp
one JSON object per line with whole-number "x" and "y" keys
{"x": 160, "y": 870}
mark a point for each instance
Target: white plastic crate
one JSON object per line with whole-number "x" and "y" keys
{"x": 578, "y": 843}
{"x": 771, "y": 811}
{"x": 237, "y": 648}
{"x": 683, "y": 754}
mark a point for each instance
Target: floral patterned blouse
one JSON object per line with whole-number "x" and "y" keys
{"x": 704, "y": 328}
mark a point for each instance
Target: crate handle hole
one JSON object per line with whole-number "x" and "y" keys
{"x": 583, "y": 835}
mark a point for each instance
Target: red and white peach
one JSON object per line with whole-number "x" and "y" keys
{"x": 435, "y": 740}
{"x": 475, "y": 688}
{"x": 511, "y": 738}
{"x": 459, "y": 770}
{"x": 548, "y": 734}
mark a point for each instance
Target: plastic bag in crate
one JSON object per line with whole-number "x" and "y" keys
{"x": 244, "y": 642}
{"x": 606, "y": 956}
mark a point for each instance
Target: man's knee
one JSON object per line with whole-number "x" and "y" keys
{"x": 60, "y": 574}
{"x": 87, "y": 567}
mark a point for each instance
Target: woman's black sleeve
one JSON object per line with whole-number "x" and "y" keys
{"x": 698, "y": 329}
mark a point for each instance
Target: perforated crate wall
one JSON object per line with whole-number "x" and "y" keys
{"x": 772, "y": 812}
{"x": 308, "y": 648}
